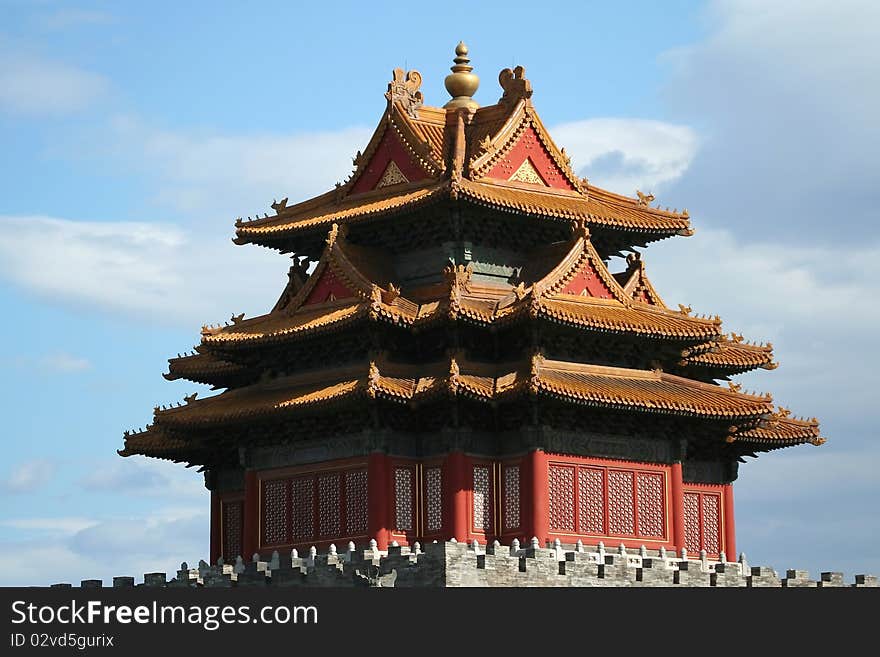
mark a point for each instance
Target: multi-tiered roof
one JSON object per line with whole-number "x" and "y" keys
{"x": 464, "y": 265}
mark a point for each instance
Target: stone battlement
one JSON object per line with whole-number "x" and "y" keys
{"x": 452, "y": 564}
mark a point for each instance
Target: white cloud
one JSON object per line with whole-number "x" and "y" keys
{"x": 627, "y": 154}
{"x": 33, "y": 85}
{"x": 28, "y": 476}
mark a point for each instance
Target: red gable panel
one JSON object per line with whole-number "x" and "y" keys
{"x": 390, "y": 148}
{"x": 529, "y": 146}
{"x": 587, "y": 283}
{"x": 328, "y": 288}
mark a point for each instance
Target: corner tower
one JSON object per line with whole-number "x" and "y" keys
{"x": 460, "y": 362}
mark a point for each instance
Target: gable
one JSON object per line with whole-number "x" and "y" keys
{"x": 529, "y": 161}
{"x": 328, "y": 287}
{"x": 389, "y": 165}
{"x": 587, "y": 283}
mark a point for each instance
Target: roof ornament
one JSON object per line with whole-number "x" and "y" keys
{"x": 454, "y": 375}
{"x": 515, "y": 85}
{"x": 278, "y": 206}
{"x": 644, "y": 199}
{"x": 736, "y": 387}
{"x": 404, "y": 89}
{"x": 373, "y": 379}
{"x": 580, "y": 229}
{"x": 535, "y": 371}
{"x": 461, "y": 83}
{"x": 685, "y": 310}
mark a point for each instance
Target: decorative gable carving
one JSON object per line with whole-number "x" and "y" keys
{"x": 527, "y": 173}
{"x": 392, "y": 176}
{"x": 390, "y": 150}
{"x": 588, "y": 283}
{"x": 528, "y": 148}
{"x": 328, "y": 287}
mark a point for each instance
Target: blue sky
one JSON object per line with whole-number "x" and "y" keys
{"x": 134, "y": 134}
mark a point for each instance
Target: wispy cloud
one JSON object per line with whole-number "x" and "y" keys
{"x": 102, "y": 549}
{"x": 62, "y": 362}
{"x": 34, "y": 85}
{"x": 69, "y": 17}
{"x": 786, "y": 96}
{"x": 145, "y": 477}
{"x": 28, "y": 476}
{"x": 155, "y": 272}
{"x": 211, "y": 175}
{"x": 62, "y": 525}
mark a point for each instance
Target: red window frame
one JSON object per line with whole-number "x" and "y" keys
{"x": 703, "y": 491}
{"x": 608, "y": 466}
{"x": 312, "y": 473}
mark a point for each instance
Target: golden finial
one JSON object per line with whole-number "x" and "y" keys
{"x": 461, "y": 83}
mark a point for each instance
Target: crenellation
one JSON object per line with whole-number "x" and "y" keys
{"x": 454, "y": 564}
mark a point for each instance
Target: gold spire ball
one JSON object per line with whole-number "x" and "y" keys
{"x": 461, "y": 83}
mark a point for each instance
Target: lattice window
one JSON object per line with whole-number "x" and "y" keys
{"x": 621, "y": 509}
{"x": 434, "y": 498}
{"x": 328, "y": 504}
{"x": 591, "y": 500}
{"x": 711, "y": 523}
{"x": 511, "y": 497}
{"x": 649, "y": 497}
{"x": 482, "y": 498}
{"x": 275, "y": 525}
{"x": 302, "y": 503}
{"x": 403, "y": 499}
{"x": 232, "y": 529}
{"x": 561, "y": 480}
{"x": 356, "y": 502}
{"x": 692, "y": 522}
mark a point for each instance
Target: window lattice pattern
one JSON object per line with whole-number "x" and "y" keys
{"x": 434, "y": 498}
{"x": 561, "y": 498}
{"x": 403, "y": 499}
{"x": 692, "y": 522}
{"x": 711, "y": 523}
{"x": 621, "y": 511}
{"x": 482, "y": 498}
{"x": 591, "y": 501}
{"x": 274, "y": 512}
{"x": 232, "y": 521}
{"x": 650, "y": 504}
{"x": 328, "y": 504}
{"x": 511, "y": 497}
{"x": 302, "y": 503}
{"x": 356, "y": 502}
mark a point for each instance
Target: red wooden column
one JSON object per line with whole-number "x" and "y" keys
{"x": 677, "y": 503}
{"x": 457, "y": 488}
{"x": 538, "y": 504}
{"x": 251, "y": 521}
{"x": 216, "y": 549}
{"x": 378, "y": 500}
{"x": 729, "y": 525}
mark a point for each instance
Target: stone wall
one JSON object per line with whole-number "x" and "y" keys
{"x": 459, "y": 565}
